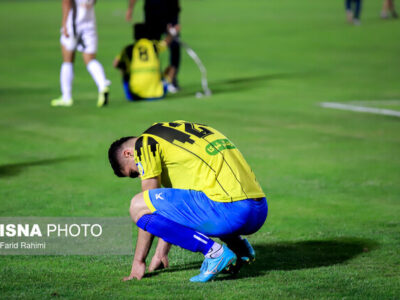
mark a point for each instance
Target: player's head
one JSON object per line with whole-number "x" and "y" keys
{"x": 143, "y": 31}
{"x": 140, "y": 31}
{"x": 121, "y": 157}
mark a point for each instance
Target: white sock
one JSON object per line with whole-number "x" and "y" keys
{"x": 215, "y": 251}
{"x": 96, "y": 70}
{"x": 66, "y": 78}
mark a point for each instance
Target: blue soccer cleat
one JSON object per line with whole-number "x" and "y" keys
{"x": 251, "y": 254}
{"x": 211, "y": 267}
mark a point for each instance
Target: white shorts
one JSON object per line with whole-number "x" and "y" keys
{"x": 84, "y": 39}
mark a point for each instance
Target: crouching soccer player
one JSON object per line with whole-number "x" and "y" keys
{"x": 209, "y": 191}
{"x": 140, "y": 65}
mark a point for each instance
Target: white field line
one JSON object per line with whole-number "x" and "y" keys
{"x": 375, "y": 102}
{"x": 371, "y": 110}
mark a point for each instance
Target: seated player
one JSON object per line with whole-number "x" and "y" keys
{"x": 209, "y": 191}
{"x": 140, "y": 65}
{"x": 160, "y": 15}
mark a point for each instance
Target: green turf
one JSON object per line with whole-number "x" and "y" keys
{"x": 332, "y": 177}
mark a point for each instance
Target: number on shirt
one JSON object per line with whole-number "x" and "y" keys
{"x": 170, "y": 134}
{"x": 143, "y": 54}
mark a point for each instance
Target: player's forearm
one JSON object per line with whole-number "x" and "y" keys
{"x": 168, "y": 39}
{"x": 151, "y": 183}
{"x": 66, "y": 6}
{"x": 162, "y": 248}
{"x": 131, "y": 4}
{"x": 143, "y": 244}
{"x": 116, "y": 63}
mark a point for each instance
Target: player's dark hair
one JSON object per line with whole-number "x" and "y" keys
{"x": 144, "y": 31}
{"x": 113, "y": 153}
{"x": 140, "y": 31}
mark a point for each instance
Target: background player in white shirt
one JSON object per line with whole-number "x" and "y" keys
{"x": 79, "y": 32}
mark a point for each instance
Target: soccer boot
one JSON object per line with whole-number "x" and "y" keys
{"x": 102, "y": 100}
{"x": 211, "y": 267}
{"x": 61, "y": 102}
{"x": 244, "y": 251}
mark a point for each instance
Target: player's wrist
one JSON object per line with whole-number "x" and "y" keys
{"x": 139, "y": 260}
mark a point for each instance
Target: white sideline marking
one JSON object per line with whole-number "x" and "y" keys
{"x": 375, "y": 102}
{"x": 371, "y": 110}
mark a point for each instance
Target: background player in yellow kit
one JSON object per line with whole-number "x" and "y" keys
{"x": 140, "y": 65}
{"x": 209, "y": 190}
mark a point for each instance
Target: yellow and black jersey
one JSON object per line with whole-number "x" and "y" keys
{"x": 141, "y": 66}
{"x": 193, "y": 156}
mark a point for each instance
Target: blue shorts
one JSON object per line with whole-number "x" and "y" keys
{"x": 195, "y": 210}
{"x": 132, "y": 97}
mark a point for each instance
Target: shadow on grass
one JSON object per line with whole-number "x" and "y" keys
{"x": 305, "y": 255}
{"x": 9, "y": 170}
{"x": 23, "y": 90}
{"x": 230, "y": 85}
{"x": 295, "y": 256}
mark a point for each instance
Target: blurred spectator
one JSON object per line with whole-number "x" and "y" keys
{"x": 353, "y": 11}
{"x": 388, "y": 7}
{"x": 79, "y": 33}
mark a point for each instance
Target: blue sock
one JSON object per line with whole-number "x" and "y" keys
{"x": 128, "y": 94}
{"x": 175, "y": 233}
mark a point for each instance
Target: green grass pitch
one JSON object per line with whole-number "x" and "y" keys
{"x": 332, "y": 177}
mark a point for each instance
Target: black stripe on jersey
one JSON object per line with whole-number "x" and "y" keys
{"x": 153, "y": 145}
{"x": 129, "y": 51}
{"x": 74, "y": 14}
{"x": 146, "y": 154}
{"x": 223, "y": 157}
{"x": 169, "y": 134}
{"x": 138, "y": 147}
{"x": 155, "y": 48}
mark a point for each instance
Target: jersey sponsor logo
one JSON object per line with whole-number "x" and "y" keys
{"x": 217, "y": 146}
{"x": 158, "y": 196}
{"x": 140, "y": 168}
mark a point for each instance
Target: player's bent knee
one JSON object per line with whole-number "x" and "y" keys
{"x": 138, "y": 207}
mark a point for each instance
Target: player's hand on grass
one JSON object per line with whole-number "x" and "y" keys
{"x": 158, "y": 263}
{"x": 137, "y": 271}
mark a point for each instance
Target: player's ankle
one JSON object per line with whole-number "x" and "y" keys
{"x": 215, "y": 251}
